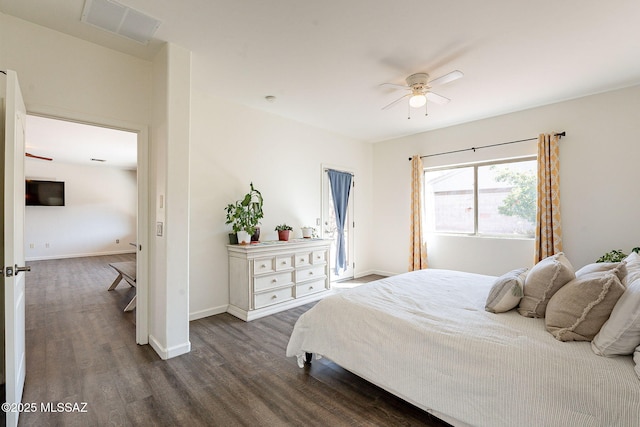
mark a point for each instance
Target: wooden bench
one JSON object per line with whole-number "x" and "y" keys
{"x": 127, "y": 271}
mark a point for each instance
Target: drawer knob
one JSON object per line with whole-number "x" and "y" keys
{"x": 274, "y": 297}
{"x": 301, "y": 259}
{"x": 263, "y": 266}
{"x": 310, "y": 287}
{"x": 311, "y": 273}
{"x": 274, "y": 280}
{"x": 284, "y": 262}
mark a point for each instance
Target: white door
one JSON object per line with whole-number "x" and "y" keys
{"x": 329, "y": 227}
{"x": 13, "y": 248}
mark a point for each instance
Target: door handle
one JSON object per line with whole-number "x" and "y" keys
{"x": 21, "y": 269}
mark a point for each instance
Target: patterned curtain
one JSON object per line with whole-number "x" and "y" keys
{"x": 548, "y": 226}
{"x": 418, "y": 246}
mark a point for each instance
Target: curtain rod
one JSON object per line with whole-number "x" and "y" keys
{"x": 329, "y": 169}
{"x": 560, "y": 134}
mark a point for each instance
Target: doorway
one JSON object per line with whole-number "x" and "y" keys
{"x": 329, "y": 228}
{"x": 104, "y": 166}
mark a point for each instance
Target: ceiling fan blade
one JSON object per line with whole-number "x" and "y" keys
{"x": 33, "y": 156}
{"x": 386, "y": 107}
{"x": 395, "y": 86}
{"x": 449, "y": 77}
{"x": 438, "y": 99}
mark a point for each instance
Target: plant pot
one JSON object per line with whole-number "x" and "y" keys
{"x": 244, "y": 238}
{"x": 283, "y": 235}
{"x": 307, "y": 232}
{"x": 233, "y": 238}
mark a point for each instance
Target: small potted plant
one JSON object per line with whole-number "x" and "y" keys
{"x": 307, "y": 232}
{"x": 245, "y": 215}
{"x": 283, "y": 232}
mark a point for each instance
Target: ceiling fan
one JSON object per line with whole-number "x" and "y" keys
{"x": 419, "y": 89}
{"x": 33, "y": 156}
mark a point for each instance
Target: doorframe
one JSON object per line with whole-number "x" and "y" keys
{"x": 352, "y": 208}
{"x": 142, "y": 258}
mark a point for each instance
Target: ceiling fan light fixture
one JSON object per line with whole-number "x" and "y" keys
{"x": 417, "y": 101}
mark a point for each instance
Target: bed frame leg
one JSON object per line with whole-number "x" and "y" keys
{"x": 308, "y": 357}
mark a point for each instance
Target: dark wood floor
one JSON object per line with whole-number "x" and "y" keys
{"x": 81, "y": 348}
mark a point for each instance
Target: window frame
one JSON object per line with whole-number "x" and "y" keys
{"x": 475, "y": 166}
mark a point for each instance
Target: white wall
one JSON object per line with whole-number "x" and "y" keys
{"x": 600, "y": 195}
{"x": 232, "y": 146}
{"x": 100, "y": 208}
{"x": 169, "y": 296}
{"x": 59, "y": 73}
{"x": 63, "y": 76}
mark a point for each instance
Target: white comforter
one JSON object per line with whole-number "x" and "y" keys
{"x": 425, "y": 337}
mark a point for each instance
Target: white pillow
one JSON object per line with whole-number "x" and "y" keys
{"x": 633, "y": 267}
{"x": 506, "y": 292}
{"x": 636, "y": 358}
{"x": 598, "y": 267}
{"x": 621, "y": 333}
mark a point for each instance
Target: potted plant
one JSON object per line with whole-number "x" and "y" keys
{"x": 307, "y": 232}
{"x": 283, "y": 232}
{"x": 616, "y": 255}
{"x": 245, "y": 215}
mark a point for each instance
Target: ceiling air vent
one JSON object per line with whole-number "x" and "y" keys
{"x": 119, "y": 19}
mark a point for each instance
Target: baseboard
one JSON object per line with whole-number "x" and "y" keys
{"x": 168, "y": 353}
{"x": 376, "y": 272}
{"x": 208, "y": 312}
{"x": 64, "y": 256}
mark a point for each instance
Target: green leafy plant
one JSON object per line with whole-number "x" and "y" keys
{"x": 283, "y": 227}
{"x": 246, "y": 214}
{"x": 616, "y": 255}
{"x": 521, "y": 201}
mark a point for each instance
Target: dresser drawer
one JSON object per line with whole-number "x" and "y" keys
{"x": 305, "y": 274}
{"x": 284, "y": 262}
{"x": 272, "y": 297}
{"x": 319, "y": 257}
{"x": 307, "y": 288}
{"x": 272, "y": 281}
{"x": 303, "y": 259}
{"x": 263, "y": 265}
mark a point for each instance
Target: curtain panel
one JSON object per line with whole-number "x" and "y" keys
{"x": 548, "y": 240}
{"x": 417, "y": 246}
{"x": 340, "y": 187}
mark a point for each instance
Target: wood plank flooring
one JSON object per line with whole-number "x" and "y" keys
{"x": 81, "y": 348}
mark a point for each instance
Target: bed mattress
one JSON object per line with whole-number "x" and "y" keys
{"x": 425, "y": 337}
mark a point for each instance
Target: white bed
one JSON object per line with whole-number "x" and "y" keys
{"x": 426, "y": 337}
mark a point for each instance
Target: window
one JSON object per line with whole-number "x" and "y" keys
{"x": 494, "y": 199}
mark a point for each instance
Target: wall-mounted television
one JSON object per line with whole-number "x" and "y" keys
{"x": 44, "y": 193}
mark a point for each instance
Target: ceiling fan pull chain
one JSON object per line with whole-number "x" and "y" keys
{"x": 408, "y": 111}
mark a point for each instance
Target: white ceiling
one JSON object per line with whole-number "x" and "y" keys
{"x": 77, "y": 143}
{"x": 324, "y": 60}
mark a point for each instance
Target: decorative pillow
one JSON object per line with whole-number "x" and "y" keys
{"x": 578, "y": 310}
{"x": 544, "y": 280}
{"x": 598, "y": 267}
{"x": 506, "y": 292}
{"x": 633, "y": 267}
{"x": 621, "y": 333}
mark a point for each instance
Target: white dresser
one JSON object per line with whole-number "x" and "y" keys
{"x": 269, "y": 277}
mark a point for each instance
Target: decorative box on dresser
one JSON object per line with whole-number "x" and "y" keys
{"x": 269, "y": 277}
